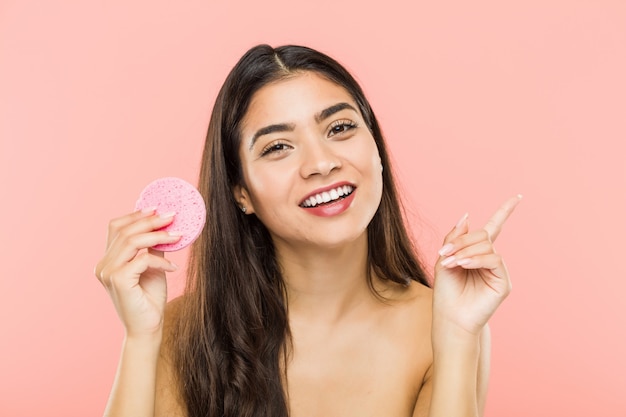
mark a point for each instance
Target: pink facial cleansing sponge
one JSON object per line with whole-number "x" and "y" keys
{"x": 171, "y": 194}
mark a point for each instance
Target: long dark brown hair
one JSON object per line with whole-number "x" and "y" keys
{"x": 233, "y": 328}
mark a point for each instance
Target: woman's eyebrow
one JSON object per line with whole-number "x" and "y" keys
{"x": 281, "y": 127}
{"x": 326, "y": 113}
{"x": 290, "y": 127}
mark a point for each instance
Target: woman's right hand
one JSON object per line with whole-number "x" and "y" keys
{"x": 134, "y": 274}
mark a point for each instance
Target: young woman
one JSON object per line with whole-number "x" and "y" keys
{"x": 305, "y": 295}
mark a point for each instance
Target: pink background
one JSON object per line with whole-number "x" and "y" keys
{"x": 478, "y": 100}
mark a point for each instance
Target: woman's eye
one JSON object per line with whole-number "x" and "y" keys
{"x": 274, "y": 148}
{"x": 341, "y": 127}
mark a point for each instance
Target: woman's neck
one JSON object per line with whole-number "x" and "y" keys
{"x": 325, "y": 284}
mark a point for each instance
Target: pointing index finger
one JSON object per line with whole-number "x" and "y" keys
{"x": 495, "y": 223}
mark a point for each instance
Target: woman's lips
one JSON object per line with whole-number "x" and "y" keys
{"x": 333, "y": 207}
{"x": 328, "y": 195}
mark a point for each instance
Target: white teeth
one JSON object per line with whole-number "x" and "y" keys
{"x": 328, "y": 196}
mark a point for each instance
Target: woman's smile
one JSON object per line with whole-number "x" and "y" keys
{"x": 327, "y": 194}
{"x": 331, "y": 202}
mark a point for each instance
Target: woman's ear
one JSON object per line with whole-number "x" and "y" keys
{"x": 243, "y": 199}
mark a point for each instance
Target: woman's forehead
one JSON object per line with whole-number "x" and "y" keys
{"x": 299, "y": 97}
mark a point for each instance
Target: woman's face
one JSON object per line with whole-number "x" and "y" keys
{"x": 311, "y": 168}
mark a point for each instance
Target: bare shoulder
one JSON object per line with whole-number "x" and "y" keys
{"x": 415, "y": 313}
{"x": 414, "y": 300}
{"x": 417, "y": 301}
{"x": 409, "y": 318}
{"x": 420, "y": 294}
{"x": 168, "y": 402}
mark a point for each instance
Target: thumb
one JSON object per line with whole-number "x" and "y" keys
{"x": 461, "y": 228}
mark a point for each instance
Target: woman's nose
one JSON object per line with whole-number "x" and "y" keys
{"x": 318, "y": 159}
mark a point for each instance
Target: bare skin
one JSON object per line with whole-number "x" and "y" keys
{"x": 337, "y": 368}
{"x": 423, "y": 353}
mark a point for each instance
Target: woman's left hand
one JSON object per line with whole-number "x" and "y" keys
{"x": 471, "y": 279}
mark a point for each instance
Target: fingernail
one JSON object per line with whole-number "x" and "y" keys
{"x": 175, "y": 234}
{"x": 148, "y": 210}
{"x": 167, "y": 215}
{"x": 462, "y": 220}
{"x": 446, "y": 249}
{"x": 464, "y": 262}
{"x": 174, "y": 265}
{"x": 448, "y": 261}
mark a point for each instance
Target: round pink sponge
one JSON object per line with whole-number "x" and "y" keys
{"x": 172, "y": 194}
